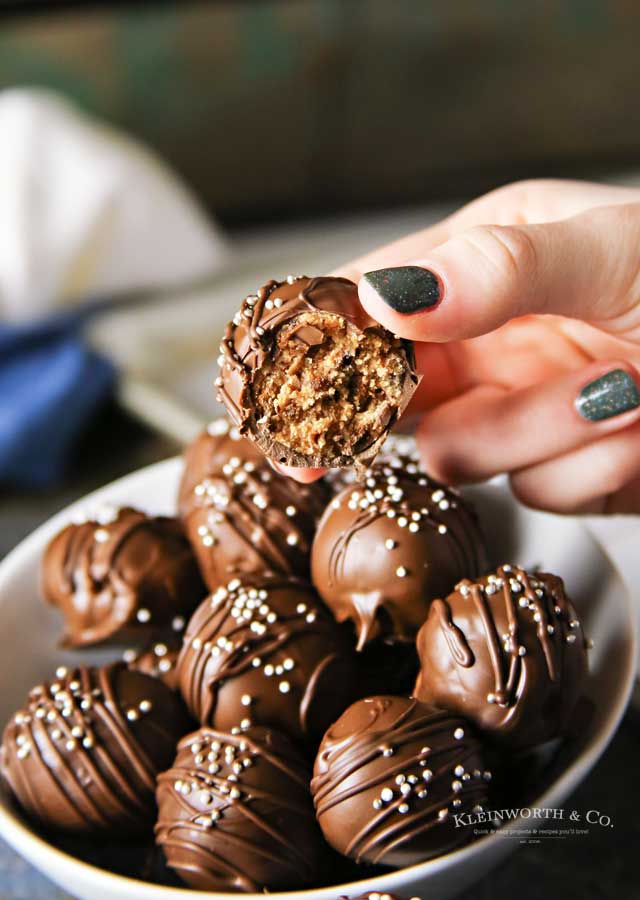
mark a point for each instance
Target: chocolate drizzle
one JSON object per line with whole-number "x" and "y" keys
{"x": 235, "y": 813}
{"x": 84, "y": 753}
{"x": 395, "y": 769}
{"x": 264, "y": 651}
{"x": 391, "y": 543}
{"x": 523, "y": 649}
{"x": 120, "y": 574}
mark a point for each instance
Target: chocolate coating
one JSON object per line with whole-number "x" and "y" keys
{"x": 236, "y": 814}
{"x": 158, "y": 659}
{"x": 266, "y": 651}
{"x": 84, "y": 752}
{"x": 249, "y": 519}
{"x": 251, "y": 339}
{"x": 388, "y": 545}
{"x": 508, "y": 652}
{"x": 388, "y": 776}
{"x": 120, "y": 577}
{"x": 208, "y": 454}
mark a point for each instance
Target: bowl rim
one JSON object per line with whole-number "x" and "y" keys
{"x": 36, "y": 849}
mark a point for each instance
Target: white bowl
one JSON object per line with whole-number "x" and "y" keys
{"x": 29, "y": 630}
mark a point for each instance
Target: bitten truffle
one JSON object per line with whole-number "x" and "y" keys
{"x": 120, "y": 576}
{"x": 310, "y": 377}
{"x": 248, "y": 519}
{"x": 266, "y": 651}
{"x": 208, "y": 454}
{"x": 388, "y": 545}
{"x": 84, "y": 753}
{"x": 509, "y": 652}
{"x": 235, "y": 813}
{"x": 389, "y": 775}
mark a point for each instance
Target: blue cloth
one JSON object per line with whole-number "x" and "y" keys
{"x": 50, "y": 385}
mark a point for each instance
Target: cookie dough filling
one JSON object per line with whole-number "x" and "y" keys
{"x": 329, "y": 388}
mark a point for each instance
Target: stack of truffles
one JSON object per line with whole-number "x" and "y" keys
{"x": 318, "y": 669}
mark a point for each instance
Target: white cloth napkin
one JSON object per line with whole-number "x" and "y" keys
{"x": 86, "y": 212}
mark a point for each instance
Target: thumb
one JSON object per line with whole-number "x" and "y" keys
{"x": 586, "y": 267}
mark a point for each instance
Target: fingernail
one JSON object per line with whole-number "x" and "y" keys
{"x": 610, "y": 395}
{"x": 407, "y": 289}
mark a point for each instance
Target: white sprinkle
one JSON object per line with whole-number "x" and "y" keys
{"x": 144, "y": 706}
{"x": 442, "y": 529}
{"x": 292, "y": 539}
{"x": 143, "y": 615}
{"x": 458, "y": 734}
{"x": 401, "y": 572}
{"x": 390, "y": 544}
{"x": 132, "y": 715}
{"x": 101, "y": 535}
{"x": 245, "y": 700}
{"x": 61, "y": 672}
{"x": 386, "y": 795}
{"x": 284, "y": 687}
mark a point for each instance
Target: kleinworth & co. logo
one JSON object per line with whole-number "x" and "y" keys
{"x": 532, "y": 824}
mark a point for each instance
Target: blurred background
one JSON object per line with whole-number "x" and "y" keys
{"x": 298, "y": 107}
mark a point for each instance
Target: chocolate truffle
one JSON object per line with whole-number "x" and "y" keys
{"x": 208, "y": 454}
{"x": 249, "y": 518}
{"x": 235, "y": 813}
{"x": 265, "y": 651}
{"x": 387, "y": 545}
{"x": 508, "y": 652}
{"x": 84, "y": 753}
{"x": 310, "y": 377}
{"x": 390, "y": 774}
{"x": 157, "y": 659}
{"x": 120, "y": 576}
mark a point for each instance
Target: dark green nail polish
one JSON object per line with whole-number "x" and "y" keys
{"x": 407, "y": 289}
{"x": 610, "y": 395}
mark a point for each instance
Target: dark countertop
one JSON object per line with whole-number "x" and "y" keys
{"x": 600, "y": 864}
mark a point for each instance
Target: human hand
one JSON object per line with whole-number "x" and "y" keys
{"x": 525, "y": 309}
